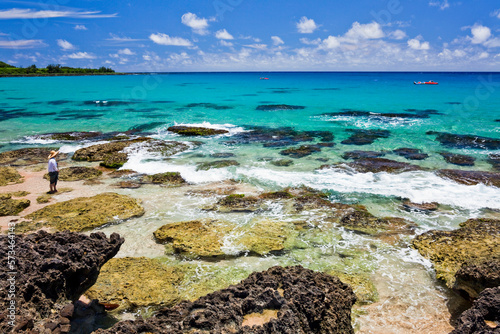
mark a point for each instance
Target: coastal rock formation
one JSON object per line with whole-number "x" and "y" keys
{"x": 196, "y": 131}
{"x": 52, "y": 269}
{"x": 361, "y": 113}
{"x": 361, "y": 155}
{"x": 302, "y": 151}
{"x": 425, "y": 207}
{"x": 276, "y": 107}
{"x": 69, "y": 136}
{"x": 471, "y": 177}
{"x": 77, "y": 174}
{"x": 376, "y": 165}
{"x": 465, "y": 141}
{"x": 236, "y": 203}
{"x": 222, "y": 155}
{"x": 362, "y": 285}
{"x": 9, "y": 175}
{"x": 282, "y": 162}
{"x": 484, "y": 315}
{"x": 121, "y": 173}
{"x": 475, "y": 243}
{"x": 167, "y": 179}
{"x": 477, "y": 274}
{"x": 102, "y": 151}
{"x": 83, "y": 213}
{"x": 458, "y": 159}
{"x": 115, "y": 160}
{"x": 11, "y": 207}
{"x": 28, "y": 156}
{"x": 365, "y": 137}
{"x": 136, "y": 282}
{"x": 279, "y": 300}
{"x": 217, "y": 164}
{"x": 360, "y": 220}
{"x": 411, "y": 153}
{"x": 494, "y": 160}
{"x": 209, "y": 238}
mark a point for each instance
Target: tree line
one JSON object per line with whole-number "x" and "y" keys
{"x": 6, "y": 69}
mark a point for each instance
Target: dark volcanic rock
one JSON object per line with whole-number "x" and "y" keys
{"x": 471, "y": 177}
{"x": 377, "y": 165}
{"x": 458, "y": 159}
{"x": 274, "y": 107}
{"x": 195, "y": 131}
{"x": 301, "y": 151}
{"x": 411, "y": 153}
{"x": 365, "y": 137}
{"x": 51, "y": 270}
{"x": 279, "y": 300}
{"x": 28, "y": 156}
{"x": 466, "y": 141}
{"x": 476, "y": 275}
{"x": 361, "y": 154}
{"x": 485, "y": 309}
{"x": 494, "y": 160}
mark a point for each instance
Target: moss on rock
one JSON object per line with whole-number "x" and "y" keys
{"x": 217, "y": 164}
{"x": 169, "y": 178}
{"x": 9, "y": 175}
{"x": 237, "y": 203}
{"x": 83, "y": 213}
{"x": 361, "y": 284}
{"x": 115, "y": 160}
{"x": 11, "y": 207}
{"x": 195, "y": 131}
{"x": 77, "y": 174}
{"x": 28, "y": 156}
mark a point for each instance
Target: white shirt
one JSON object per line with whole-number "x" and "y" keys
{"x": 52, "y": 165}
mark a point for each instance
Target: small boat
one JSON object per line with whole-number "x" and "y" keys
{"x": 430, "y": 82}
{"x": 263, "y": 78}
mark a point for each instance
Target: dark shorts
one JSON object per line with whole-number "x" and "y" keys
{"x": 54, "y": 176}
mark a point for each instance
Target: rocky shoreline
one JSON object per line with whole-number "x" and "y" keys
{"x": 57, "y": 268}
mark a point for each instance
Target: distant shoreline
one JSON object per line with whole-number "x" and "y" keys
{"x": 59, "y": 74}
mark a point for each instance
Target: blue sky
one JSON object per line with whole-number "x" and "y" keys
{"x": 254, "y": 35}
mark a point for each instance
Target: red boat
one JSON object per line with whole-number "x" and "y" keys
{"x": 430, "y": 82}
{"x": 262, "y": 78}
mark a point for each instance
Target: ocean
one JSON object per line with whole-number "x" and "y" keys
{"x": 295, "y": 109}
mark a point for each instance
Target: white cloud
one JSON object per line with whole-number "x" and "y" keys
{"x": 199, "y": 25}
{"x": 65, "y": 45}
{"x": 492, "y": 43}
{"x": 126, "y": 51}
{"x": 257, "y": 46}
{"x": 21, "y": 44}
{"x": 81, "y": 55}
{"x": 306, "y": 41}
{"x": 497, "y": 13}
{"x": 223, "y": 34}
{"x": 277, "y": 40}
{"x": 115, "y": 38}
{"x": 306, "y": 26}
{"x": 441, "y": 4}
{"x": 224, "y": 43}
{"x": 483, "y": 55}
{"x": 164, "y": 39}
{"x": 80, "y": 27}
{"x": 365, "y": 31}
{"x": 331, "y": 42}
{"x": 416, "y": 44}
{"x": 397, "y": 34}
{"x": 480, "y": 34}
{"x": 16, "y": 13}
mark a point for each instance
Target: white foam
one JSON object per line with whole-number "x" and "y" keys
{"x": 376, "y": 120}
{"x": 231, "y": 128}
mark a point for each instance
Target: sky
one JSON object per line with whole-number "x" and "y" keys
{"x": 253, "y": 35}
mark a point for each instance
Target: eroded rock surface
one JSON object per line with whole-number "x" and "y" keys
{"x": 466, "y": 141}
{"x": 77, "y": 174}
{"x": 168, "y": 179}
{"x": 10, "y": 206}
{"x": 28, "y": 156}
{"x": 458, "y": 159}
{"x": 471, "y": 177}
{"x": 196, "y": 131}
{"x": 376, "y": 165}
{"x": 484, "y": 315}
{"x": 9, "y": 175}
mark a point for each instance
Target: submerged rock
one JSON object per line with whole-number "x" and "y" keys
{"x": 360, "y": 220}
{"x": 217, "y": 164}
{"x": 209, "y": 238}
{"x": 365, "y": 137}
{"x": 425, "y": 207}
{"x": 282, "y": 162}
{"x": 168, "y": 179}
{"x": 196, "y": 131}
{"x": 121, "y": 173}
{"x": 302, "y": 151}
{"x": 68, "y": 136}
{"x": 360, "y": 113}
{"x": 275, "y": 107}
{"x": 237, "y": 203}
{"x": 458, "y": 159}
{"x": 361, "y": 154}
{"x": 411, "y": 153}
{"x": 362, "y": 285}
{"x": 77, "y": 174}
{"x": 471, "y": 177}
{"x": 28, "y": 156}
{"x": 9, "y": 175}
{"x": 52, "y": 269}
{"x": 476, "y": 240}
{"x": 484, "y": 315}
{"x": 137, "y": 282}
{"x": 376, "y": 165}
{"x": 494, "y": 160}
{"x": 128, "y": 185}
{"x": 11, "y": 207}
{"x": 83, "y": 213}
{"x": 278, "y": 137}
{"x": 466, "y": 141}
{"x": 222, "y": 155}
{"x": 279, "y": 300}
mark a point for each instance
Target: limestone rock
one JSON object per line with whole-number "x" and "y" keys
{"x": 376, "y": 165}
{"x": 195, "y": 131}
{"x": 77, "y": 174}
{"x": 11, "y": 207}
{"x": 471, "y": 177}
{"x": 9, "y": 175}
{"x": 28, "y": 156}
{"x": 217, "y": 164}
{"x": 169, "y": 179}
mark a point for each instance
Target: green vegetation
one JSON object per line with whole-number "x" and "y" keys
{"x": 52, "y": 69}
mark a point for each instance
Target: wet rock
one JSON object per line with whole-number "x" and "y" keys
{"x": 476, "y": 240}
{"x": 324, "y": 136}
{"x": 471, "y": 177}
{"x": 115, "y": 160}
{"x": 411, "y": 153}
{"x": 302, "y": 151}
{"x": 362, "y": 221}
{"x": 208, "y": 106}
{"x": 279, "y": 300}
{"x": 121, "y": 173}
{"x": 52, "y": 270}
{"x": 284, "y": 194}
{"x": 466, "y": 141}
{"x": 83, "y": 213}
{"x": 128, "y": 185}
{"x": 168, "y": 179}
{"x": 102, "y": 151}
{"x": 217, "y": 164}
{"x": 137, "y": 282}
{"x": 145, "y": 127}
{"x": 237, "y": 203}
{"x": 12, "y": 207}
{"x": 365, "y": 137}
{"x": 494, "y": 160}
{"x": 275, "y": 107}
{"x": 196, "y": 131}
{"x": 222, "y": 155}
{"x": 425, "y": 207}
{"x": 208, "y": 238}
{"x": 361, "y": 154}
{"x": 28, "y": 156}
{"x": 69, "y": 136}
{"x": 484, "y": 315}
{"x": 475, "y": 275}
{"x": 9, "y": 175}
{"x": 376, "y": 165}
{"x": 362, "y": 285}
{"x": 282, "y": 162}
{"x": 276, "y": 137}
{"x": 77, "y": 174}
{"x": 458, "y": 159}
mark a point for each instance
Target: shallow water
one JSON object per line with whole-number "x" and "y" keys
{"x": 410, "y": 298}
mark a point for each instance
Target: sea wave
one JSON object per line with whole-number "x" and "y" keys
{"x": 231, "y": 128}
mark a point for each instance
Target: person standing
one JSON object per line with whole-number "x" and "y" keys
{"x": 53, "y": 171}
